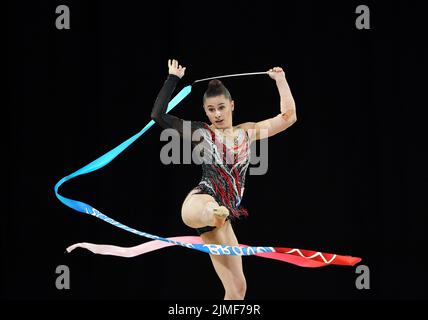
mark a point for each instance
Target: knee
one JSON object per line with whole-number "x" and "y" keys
{"x": 238, "y": 289}
{"x": 186, "y": 216}
{"x": 241, "y": 288}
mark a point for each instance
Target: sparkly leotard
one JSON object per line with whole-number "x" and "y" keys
{"x": 223, "y": 176}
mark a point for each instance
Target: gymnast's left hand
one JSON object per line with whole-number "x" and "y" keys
{"x": 175, "y": 68}
{"x": 276, "y": 73}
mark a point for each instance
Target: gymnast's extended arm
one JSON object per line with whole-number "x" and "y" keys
{"x": 159, "y": 115}
{"x": 288, "y": 110}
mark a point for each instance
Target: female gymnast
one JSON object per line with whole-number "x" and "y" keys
{"x": 210, "y": 207}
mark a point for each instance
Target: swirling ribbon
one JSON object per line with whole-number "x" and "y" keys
{"x": 303, "y": 258}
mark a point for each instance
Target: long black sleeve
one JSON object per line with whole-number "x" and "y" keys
{"x": 165, "y": 120}
{"x": 159, "y": 114}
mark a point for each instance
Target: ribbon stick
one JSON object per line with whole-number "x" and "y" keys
{"x": 231, "y": 75}
{"x": 304, "y": 258}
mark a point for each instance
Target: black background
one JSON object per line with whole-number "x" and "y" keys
{"x": 349, "y": 177}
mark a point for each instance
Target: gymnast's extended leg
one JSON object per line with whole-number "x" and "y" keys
{"x": 197, "y": 212}
{"x": 228, "y": 268}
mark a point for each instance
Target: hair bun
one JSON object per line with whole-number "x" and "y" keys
{"x": 215, "y": 83}
{"x": 216, "y": 88}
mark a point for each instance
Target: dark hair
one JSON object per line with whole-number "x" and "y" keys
{"x": 216, "y": 88}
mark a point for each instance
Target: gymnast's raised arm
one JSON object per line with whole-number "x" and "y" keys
{"x": 288, "y": 110}
{"x": 159, "y": 115}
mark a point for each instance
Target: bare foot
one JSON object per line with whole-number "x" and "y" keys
{"x": 220, "y": 215}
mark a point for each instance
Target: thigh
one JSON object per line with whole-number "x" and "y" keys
{"x": 228, "y": 268}
{"x": 195, "y": 200}
{"x": 193, "y": 208}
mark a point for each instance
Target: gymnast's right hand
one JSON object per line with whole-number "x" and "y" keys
{"x": 175, "y": 68}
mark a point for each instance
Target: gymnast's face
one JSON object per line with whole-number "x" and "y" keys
{"x": 219, "y": 110}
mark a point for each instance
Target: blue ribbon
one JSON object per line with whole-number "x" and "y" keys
{"x": 108, "y": 157}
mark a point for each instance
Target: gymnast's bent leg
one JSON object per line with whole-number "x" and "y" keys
{"x": 201, "y": 210}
